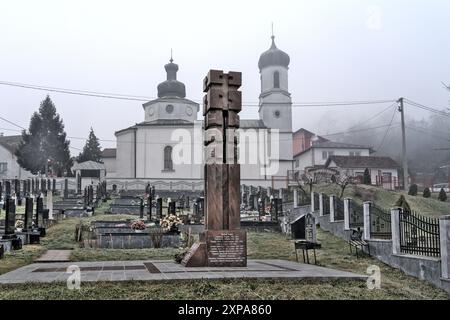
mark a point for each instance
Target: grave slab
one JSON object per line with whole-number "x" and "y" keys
{"x": 156, "y": 270}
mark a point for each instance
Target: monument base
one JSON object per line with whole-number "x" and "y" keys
{"x": 218, "y": 248}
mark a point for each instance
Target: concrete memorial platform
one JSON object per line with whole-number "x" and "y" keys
{"x": 156, "y": 270}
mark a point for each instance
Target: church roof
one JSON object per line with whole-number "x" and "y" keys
{"x": 109, "y": 153}
{"x": 171, "y": 87}
{"x": 273, "y": 57}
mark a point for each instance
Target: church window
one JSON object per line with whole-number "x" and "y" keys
{"x": 169, "y": 108}
{"x": 277, "y": 113}
{"x": 276, "y": 79}
{"x": 168, "y": 163}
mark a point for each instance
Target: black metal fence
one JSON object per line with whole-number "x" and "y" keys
{"x": 419, "y": 235}
{"x": 304, "y": 199}
{"x": 316, "y": 201}
{"x": 325, "y": 204}
{"x": 356, "y": 215}
{"x": 338, "y": 209}
{"x": 380, "y": 223}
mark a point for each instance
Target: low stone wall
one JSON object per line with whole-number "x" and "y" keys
{"x": 261, "y": 226}
{"x": 423, "y": 268}
{"x": 132, "y": 240}
{"x": 336, "y": 228}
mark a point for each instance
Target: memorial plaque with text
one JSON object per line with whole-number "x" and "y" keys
{"x": 226, "y": 248}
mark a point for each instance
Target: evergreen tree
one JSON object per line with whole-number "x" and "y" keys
{"x": 44, "y": 145}
{"x": 402, "y": 203}
{"x": 442, "y": 195}
{"x": 426, "y": 193}
{"x": 413, "y": 189}
{"x": 367, "y": 179}
{"x": 91, "y": 150}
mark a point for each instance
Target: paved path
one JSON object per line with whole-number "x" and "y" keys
{"x": 54, "y": 256}
{"x": 169, "y": 270}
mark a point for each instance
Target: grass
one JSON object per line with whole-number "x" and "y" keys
{"x": 334, "y": 253}
{"x": 386, "y": 198}
{"x": 395, "y": 284}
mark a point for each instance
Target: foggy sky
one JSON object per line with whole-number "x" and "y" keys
{"x": 340, "y": 50}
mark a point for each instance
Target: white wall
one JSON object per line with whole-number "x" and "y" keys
{"x": 110, "y": 165}
{"x": 318, "y": 160}
{"x": 14, "y": 171}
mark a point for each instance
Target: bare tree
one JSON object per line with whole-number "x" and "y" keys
{"x": 343, "y": 180}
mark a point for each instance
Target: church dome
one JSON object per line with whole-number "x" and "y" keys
{"x": 273, "y": 57}
{"x": 171, "y": 87}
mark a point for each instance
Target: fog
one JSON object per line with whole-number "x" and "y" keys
{"x": 340, "y": 51}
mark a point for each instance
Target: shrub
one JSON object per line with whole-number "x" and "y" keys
{"x": 427, "y": 193}
{"x": 402, "y": 203}
{"x": 442, "y": 195}
{"x": 413, "y": 190}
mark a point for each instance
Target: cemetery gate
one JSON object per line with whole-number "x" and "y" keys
{"x": 419, "y": 235}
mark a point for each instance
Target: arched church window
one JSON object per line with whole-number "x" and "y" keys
{"x": 168, "y": 164}
{"x": 276, "y": 79}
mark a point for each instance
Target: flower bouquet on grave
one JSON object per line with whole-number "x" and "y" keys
{"x": 138, "y": 226}
{"x": 19, "y": 225}
{"x": 170, "y": 224}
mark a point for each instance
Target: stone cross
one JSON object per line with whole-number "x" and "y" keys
{"x": 222, "y": 243}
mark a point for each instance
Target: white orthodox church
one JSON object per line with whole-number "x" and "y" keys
{"x": 150, "y": 150}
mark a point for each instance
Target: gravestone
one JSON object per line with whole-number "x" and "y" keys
{"x": 261, "y": 208}
{"x": 159, "y": 208}
{"x": 39, "y": 219}
{"x": 66, "y": 188}
{"x": 172, "y": 207}
{"x": 33, "y": 189}
{"x": 141, "y": 209}
{"x": 1, "y": 191}
{"x": 7, "y": 189}
{"x": 79, "y": 184}
{"x": 10, "y": 221}
{"x": 50, "y": 205}
{"x": 223, "y": 243}
{"x": 10, "y": 218}
{"x": 304, "y": 228}
{"x": 28, "y": 220}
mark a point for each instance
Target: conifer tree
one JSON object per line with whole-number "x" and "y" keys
{"x": 44, "y": 145}
{"x": 91, "y": 150}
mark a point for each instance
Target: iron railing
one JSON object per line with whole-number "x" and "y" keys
{"x": 356, "y": 215}
{"x": 316, "y": 201}
{"x": 325, "y": 204}
{"x": 380, "y": 223}
{"x": 338, "y": 209}
{"x": 419, "y": 235}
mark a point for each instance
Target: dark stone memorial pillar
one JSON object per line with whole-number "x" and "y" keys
{"x": 10, "y": 221}
{"x": 172, "y": 207}
{"x": 159, "y": 203}
{"x": 53, "y": 186}
{"x": 66, "y": 188}
{"x": 141, "y": 209}
{"x": 223, "y": 244}
{"x": 28, "y": 221}
{"x": 1, "y": 191}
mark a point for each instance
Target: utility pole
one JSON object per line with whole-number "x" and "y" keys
{"x": 401, "y": 108}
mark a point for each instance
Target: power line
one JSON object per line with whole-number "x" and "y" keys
{"x": 421, "y": 106}
{"x": 387, "y": 131}
{"x": 374, "y": 116}
{"x": 146, "y": 99}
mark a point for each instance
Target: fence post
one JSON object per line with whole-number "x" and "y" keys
{"x": 313, "y": 209}
{"x": 395, "y": 227}
{"x": 347, "y": 213}
{"x": 295, "y": 198}
{"x": 320, "y": 204}
{"x": 444, "y": 231}
{"x": 366, "y": 216}
{"x": 332, "y": 208}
